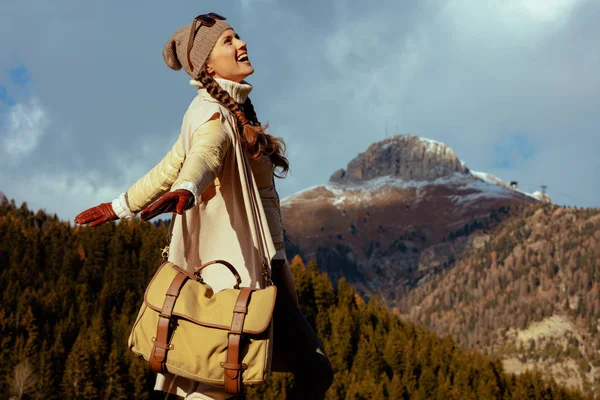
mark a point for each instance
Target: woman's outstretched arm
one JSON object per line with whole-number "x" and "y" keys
{"x": 209, "y": 144}
{"x": 152, "y": 185}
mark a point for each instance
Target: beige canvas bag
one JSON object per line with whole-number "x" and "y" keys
{"x": 222, "y": 339}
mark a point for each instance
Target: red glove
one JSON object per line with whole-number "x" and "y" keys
{"x": 97, "y": 215}
{"x": 176, "y": 201}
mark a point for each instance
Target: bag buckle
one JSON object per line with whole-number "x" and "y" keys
{"x": 267, "y": 277}
{"x": 165, "y": 253}
{"x": 265, "y": 274}
{"x": 198, "y": 277}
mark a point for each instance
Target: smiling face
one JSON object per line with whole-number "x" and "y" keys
{"x": 229, "y": 58}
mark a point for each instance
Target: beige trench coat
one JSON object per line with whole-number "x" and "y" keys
{"x": 222, "y": 225}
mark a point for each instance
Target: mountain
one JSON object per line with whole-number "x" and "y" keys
{"x": 530, "y": 295}
{"x": 398, "y": 212}
{"x": 503, "y": 272}
{"x": 406, "y": 157}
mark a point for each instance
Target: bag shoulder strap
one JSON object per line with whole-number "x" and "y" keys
{"x": 258, "y": 225}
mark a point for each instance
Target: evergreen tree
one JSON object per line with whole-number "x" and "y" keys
{"x": 113, "y": 379}
{"x": 78, "y": 370}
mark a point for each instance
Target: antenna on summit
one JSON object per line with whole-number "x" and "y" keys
{"x": 544, "y": 187}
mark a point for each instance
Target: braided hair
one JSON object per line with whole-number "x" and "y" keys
{"x": 254, "y": 139}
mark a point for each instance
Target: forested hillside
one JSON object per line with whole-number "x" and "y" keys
{"x": 530, "y": 294}
{"x": 70, "y": 294}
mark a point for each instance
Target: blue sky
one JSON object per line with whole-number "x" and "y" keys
{"x": 512, "y": 150}
{"x": 87, "y": 105}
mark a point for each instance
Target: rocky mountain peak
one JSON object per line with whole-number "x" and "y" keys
{"x": 408, "y": 157}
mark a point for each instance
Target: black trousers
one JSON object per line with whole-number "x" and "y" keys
{"x": 296, "y": 347}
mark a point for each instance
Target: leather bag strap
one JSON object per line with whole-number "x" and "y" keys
{"x": 258, "y": 225}
{"x": 166, "y": 326}
{"x": 232, "y": 365}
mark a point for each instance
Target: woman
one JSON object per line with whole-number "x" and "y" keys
{"x": 199, "y": 180}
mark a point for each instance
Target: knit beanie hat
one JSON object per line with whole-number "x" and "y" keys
{"x": 175, "y": 51}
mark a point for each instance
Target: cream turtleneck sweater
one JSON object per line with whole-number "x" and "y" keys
{"x": 238, "y": 91}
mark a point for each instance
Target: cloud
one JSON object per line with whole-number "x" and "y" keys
{"x": 546, "y": 11}
{"x": 65, "y": 193}
{"x": 25, "y": 125}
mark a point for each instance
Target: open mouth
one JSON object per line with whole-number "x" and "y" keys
{"x": 243, "y": 58}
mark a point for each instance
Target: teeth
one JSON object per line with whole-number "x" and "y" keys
{"x": 243, "y": 57}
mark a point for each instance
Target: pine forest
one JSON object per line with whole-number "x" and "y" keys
{"x": 70, "y": 295}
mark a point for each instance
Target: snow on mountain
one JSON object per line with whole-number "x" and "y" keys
{"x": 497, "y": 181}
{"x": 401, "y": 207}
{"x": 344, "y": 194}
{"x": 406, "y": 162}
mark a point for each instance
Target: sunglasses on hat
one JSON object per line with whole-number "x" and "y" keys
{"x": 207, "y": 20}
